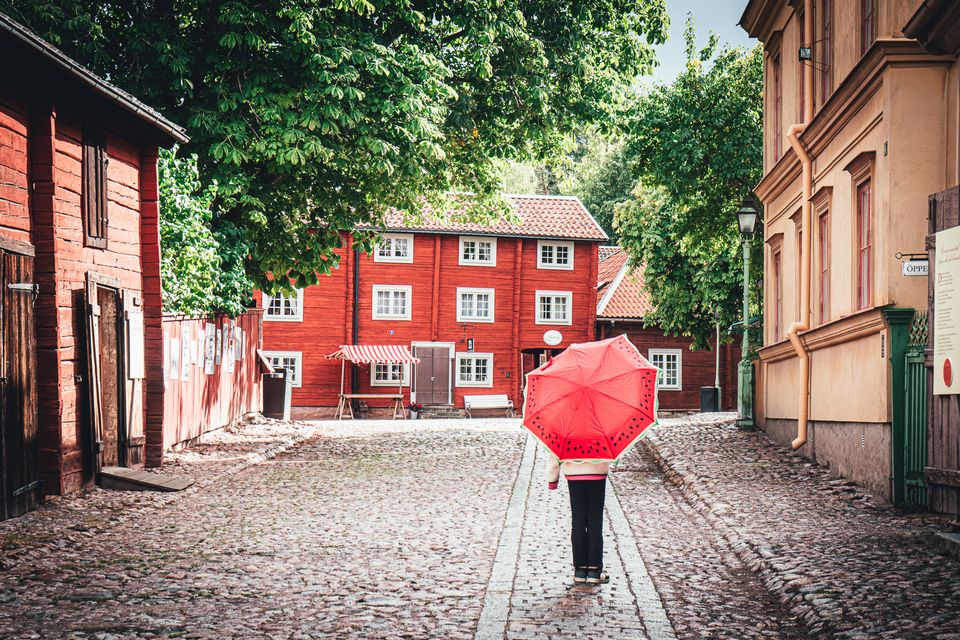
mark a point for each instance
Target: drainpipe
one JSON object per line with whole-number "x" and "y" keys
{"x": 803, "y": 324}
{"x": 355, "y": 329}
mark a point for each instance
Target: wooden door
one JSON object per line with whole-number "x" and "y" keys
{"x": 943, "y": 414}
{"x": 433, "y": 375}
{"x": 18, "y": 387}
{"x": 104, "y": 345}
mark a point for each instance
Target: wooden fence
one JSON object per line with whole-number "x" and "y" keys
{"x": 212, "y": 376}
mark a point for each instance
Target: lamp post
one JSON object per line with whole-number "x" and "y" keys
{"x": 747, "y": 221}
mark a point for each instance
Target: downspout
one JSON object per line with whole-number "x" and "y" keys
{"x": 803, "y": 324}
{"x": 355, "y": 330}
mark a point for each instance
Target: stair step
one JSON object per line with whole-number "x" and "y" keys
{"x": 124, "y": 479}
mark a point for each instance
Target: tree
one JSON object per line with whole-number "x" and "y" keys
{"x": 602, "y": 178}
{"x": 314, "y": 115}
{"x": 696, "y": 146}
{"x": 198, "y": 275}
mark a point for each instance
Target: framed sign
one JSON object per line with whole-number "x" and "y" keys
{"x": 946, "y": 320}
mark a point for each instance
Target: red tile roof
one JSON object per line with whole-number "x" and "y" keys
{"x": 538, "y": 216}
{"x": 625, "y": 297}
{"x": 612, "y": 260}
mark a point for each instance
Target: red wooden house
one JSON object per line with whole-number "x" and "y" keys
{"x": 479, "y": 305}
{"x": 81, "y": 273}
{"x": 621, "y": 308}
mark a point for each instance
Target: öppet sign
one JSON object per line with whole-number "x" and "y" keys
{"x": 946, "y": 321}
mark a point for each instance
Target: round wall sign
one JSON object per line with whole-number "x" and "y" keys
{"x": 553, "y": 337}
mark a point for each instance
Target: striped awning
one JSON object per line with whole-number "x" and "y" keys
{"x": 367, "y": 353}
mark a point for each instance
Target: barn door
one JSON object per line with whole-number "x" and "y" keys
{"x": 18, "y": 387}
{"x": 104, "y": 349}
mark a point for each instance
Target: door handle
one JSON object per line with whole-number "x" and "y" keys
{"x": 432, "y": 379}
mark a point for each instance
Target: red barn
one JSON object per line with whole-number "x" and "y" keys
{"x": 621, "y": 309}
{"x": 479, "y": 305}
{"x": 80, "y": 273}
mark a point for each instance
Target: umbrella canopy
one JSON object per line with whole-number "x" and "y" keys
{"x": 593, "y": 401}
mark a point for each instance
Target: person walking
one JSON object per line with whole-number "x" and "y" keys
{"x": 587, "y": 484}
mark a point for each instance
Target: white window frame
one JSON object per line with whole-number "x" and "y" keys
{"x": 669, "y": 352}
{"x": 297, "y": 307}
{"x": 391, "y": 288}
{"x": 466, "y": 290}
{"x": 537, "y": 310}
{"x": 553, "y": 265}
{"x": 391, "y": 237}
{"x": 492, "y": 262}
{"x": 404, "y": 377}
{"x": 471, "y": 355}
{"x": 297, "y": 356}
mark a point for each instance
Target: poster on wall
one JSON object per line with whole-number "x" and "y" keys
{"x": 210, "y": 349}
{"x": 174, "y": 359}
{"x": 228, "y": 334}
{"x": 218, "y": 349}
{"x": 166, "y": 357}
{"x": 185, "y": 356}
{"x": 946, "y": 320}
{"x": 238, "y": 345}
{"x": 200, "y": 348}
{"x": 136, "y": 367}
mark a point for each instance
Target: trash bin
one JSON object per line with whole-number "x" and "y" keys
{"x": 277, "y": 388}
{"x": 709, "y": 399}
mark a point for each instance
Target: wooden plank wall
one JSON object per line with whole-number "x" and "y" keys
{"x": 203, "y": 402}
{"x": 943, "y": 424}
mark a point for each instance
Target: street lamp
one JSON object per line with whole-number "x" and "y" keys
{"x": 747, "y": 221}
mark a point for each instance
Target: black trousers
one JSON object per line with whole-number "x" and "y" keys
{"x": 586, "y": 506}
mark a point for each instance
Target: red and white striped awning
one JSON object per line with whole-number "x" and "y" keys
{"x": 367, "y": 353}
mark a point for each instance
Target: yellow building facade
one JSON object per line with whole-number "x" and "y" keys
{"x": 860, "y": 127}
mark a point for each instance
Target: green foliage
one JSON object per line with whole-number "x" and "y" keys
{"x": 314, "y": 115}
{"x": 602, "y": 178}
{"x": 696, "y": 146}
{"x": 199, "y": 277}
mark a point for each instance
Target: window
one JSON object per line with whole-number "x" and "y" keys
{"x": 394, "y": 247}
{"x": 864, "y": 246}
{"x": 474, "y": 369}
{"x": 289, "y": 360}
{"x": 475, "y": 305}
{"x": 868, "y": 24}
{"x": 777, "y": 295}
{"x": 94, "y": 189}
{"x": 481, "y": 251}
{"x": 284, "y": 307}
{"x": 826, "y": 55}
{"x": 824, "y": 228}
{"x": 554, "y": 307}
{"x": 391, "y": 302}
{"x": 383, "y": 374}
{"x": 554, "y": 255}
{"x": 668, "y": 361}
{"x": 777, "y": 109}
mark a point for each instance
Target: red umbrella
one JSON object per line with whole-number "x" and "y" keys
{"x": 593, "y": 401}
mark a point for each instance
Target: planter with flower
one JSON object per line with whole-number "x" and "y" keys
{"x": 415, "y": 409}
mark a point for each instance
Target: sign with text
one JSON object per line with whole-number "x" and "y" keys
{"x": 916, "y": 267}
{"x": 946, "y": 321}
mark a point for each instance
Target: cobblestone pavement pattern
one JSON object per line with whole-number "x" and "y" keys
{"x": 841, "y": 561}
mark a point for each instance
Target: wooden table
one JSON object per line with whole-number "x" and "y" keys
{"x": 345, "y": 405}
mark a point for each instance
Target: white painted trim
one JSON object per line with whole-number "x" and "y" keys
{"x": 408, "y": 259}
{"x": 405, "y": 377}
{"x": 556, "y": 243}
{"x": 298, "y": 317}
{"x": 470, "y": 354}
{"x": 451, "y": 346}
{"x": 391, "y": 287}
{"x": 679, "y": 353}
{"x": 493, "y": 306}
{"x": 536, "y": 310}
{"x": 612, "y": 287}
{"x": 478, "y": 263}
{"x": 298, "y": 363}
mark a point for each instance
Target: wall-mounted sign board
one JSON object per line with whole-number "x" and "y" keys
{"x": 946, "y": 319}
{"x": 915, "y": 268}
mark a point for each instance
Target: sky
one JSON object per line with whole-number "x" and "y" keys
{"x": 720, "y": 16}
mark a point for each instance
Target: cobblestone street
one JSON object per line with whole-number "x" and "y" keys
{"x": 445, "y": 529}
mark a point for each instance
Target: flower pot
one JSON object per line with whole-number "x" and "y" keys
{"x": 414, "y": 414}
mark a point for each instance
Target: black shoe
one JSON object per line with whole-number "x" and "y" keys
{"x": 579, "y": 575}
{"x": 596, "y": 576}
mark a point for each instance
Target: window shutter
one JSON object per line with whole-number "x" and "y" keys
{"x": 94, "y": 189}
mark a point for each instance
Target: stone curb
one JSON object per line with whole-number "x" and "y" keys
{"x": 756, "y": 558}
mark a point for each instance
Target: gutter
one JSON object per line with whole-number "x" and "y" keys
{"x": 803, "y": 324}
{"x": 20, "y": 34}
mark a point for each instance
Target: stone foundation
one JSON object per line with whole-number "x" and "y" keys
{"x": 859, "y": 451}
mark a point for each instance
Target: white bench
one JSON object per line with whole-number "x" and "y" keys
{"x": 500, "y": 401}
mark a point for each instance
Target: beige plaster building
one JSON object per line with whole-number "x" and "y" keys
{"x": 860, "y": 127}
